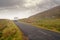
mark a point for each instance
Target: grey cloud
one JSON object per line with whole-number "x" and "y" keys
{"x": 7, "y": 3}
{"x": 11, "y": 3}
{"x": 56, "y": 1}
{"x": 46, "y": 4}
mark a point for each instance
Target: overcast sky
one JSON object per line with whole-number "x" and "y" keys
{"x": 24, "y": 8}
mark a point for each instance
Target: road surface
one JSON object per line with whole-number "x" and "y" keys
{"x": 34, "y": 33}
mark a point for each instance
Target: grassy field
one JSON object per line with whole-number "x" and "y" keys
{"x": 49, "y": 24}
{"x": 9, "y": 31}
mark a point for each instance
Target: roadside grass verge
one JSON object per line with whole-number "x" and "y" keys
{"x": 50, "y": 24}
{"x": 9, "y": 31}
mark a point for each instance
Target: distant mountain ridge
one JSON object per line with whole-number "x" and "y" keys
{"x": 52, "y": 13}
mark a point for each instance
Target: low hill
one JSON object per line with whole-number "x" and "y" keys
{"x": 51, "y": 13}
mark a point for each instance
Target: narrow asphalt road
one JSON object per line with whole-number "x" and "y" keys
{"x": 34, "y": 33}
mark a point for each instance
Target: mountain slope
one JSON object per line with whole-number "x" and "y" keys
{"x": 52, "y": 13}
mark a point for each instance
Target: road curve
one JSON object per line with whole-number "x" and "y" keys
{"x": 34, "y": 33}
